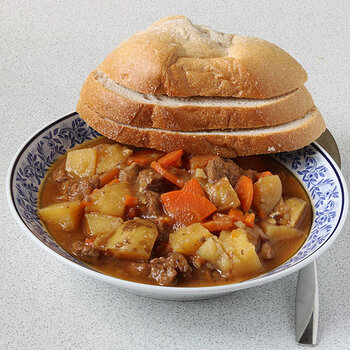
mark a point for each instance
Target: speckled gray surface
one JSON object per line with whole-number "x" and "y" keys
{"x": 47, "y": 48}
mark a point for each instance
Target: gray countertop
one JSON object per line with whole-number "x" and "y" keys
{"x": 47, "y": 48}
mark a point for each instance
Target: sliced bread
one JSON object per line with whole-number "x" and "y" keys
{"x": 228, "y": 143}
{"x": 113, "y": 101}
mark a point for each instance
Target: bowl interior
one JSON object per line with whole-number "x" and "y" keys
{"x": 313, "y": 167}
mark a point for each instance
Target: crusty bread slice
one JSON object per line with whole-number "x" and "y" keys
{"x": 286, "y": 137}
{"x": 120, "y": 104}
{"x": 177, "y": 58}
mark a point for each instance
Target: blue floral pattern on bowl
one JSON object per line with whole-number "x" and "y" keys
{"x": 310, "y": 165}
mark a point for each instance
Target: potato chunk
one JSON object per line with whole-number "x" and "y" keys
{"x": 110, "y": 199}
{"x": 97, "y": 224}
{"x": 222, "y": 194}
{"x": 81, "y": 162}
{"x": 267, "y": 193}
{"x": 297, "y": 209}
{"x": 213, "y": 252}
{"x": 279, "y": 232}
{"x": 109, "y": 156}
{"x": 188, "y": 239}
{"x": 241, "y": 252}
{"x": 65, "y": 215}
{"x": 133, "y": 239}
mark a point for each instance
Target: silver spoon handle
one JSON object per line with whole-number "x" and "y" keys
{"x": 307, "y": 306}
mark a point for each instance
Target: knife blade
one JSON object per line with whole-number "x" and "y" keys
{"x": 307, "y": 296}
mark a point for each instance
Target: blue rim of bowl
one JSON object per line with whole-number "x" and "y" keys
{"x": 185, "y": 291}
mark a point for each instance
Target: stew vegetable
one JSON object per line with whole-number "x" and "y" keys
{"x": 173, "y": 219}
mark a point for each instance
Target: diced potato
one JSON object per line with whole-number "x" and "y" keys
{"x": 81, "y": 162}
{"x": 97, "y": 224}
{"x": 241, "y": 251}
{"x": 188, "y": 239}
{"x": 267, "y": 193}
{"x": 109, "y": 156}
{"x": 65, "y": 215}
{"x": 222, "y": 194}
{"x": 297, "y": 209}
{"x": 279, "y": 232}
{"x": 109, "y": 200}
{"x": 133, "y": 239}
{"x": 213, "y": 252}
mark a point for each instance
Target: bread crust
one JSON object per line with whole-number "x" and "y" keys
{"x": 122, "y": 109}
{"x": 229, "y": 144}
{"x": 176, "y": 58}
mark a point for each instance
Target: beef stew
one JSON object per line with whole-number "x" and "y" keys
{"x": 173, "y": 219}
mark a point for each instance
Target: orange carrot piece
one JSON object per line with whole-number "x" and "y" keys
{"x": 236, "y": 214}
{"x": 114, "y": 181}
{"x": 244, "y": 189}
{"x": 263, "y": 174}
{"x": 145, "y": 157}
{"x": 201, "y": 161}
{"x": 171, "y": 159}
{"x": 224, "y": 223}
{"x": 108, "y": 177}
{"x": 193, "y": 186}
{"x": 249, "y": 219}
{"x": 187, "y": 207}
{"x": 130, "y": 201}
{"x": 167, "y": 174}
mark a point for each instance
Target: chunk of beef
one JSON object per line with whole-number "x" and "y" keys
{"x": 153, "y": 204}
{"x": 148, "y": 180}
{"x": 163, "y": 272}
{"x": 165, "y": 226}
{"x": 86, "y": 252}
{"x": 181, "y": 264}
{"x": 266, "y": 251}
{"x": 166, "y": 270}
{"x": 59, "y": 175}
{"x": 130, "y": 173}
{"x": 218, "y": 168}
{"x": 151, "y": 208}
{"x": 78, "y": 189}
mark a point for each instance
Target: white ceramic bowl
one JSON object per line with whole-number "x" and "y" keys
{"x": 314, "y": 168}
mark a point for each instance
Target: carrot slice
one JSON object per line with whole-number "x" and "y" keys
{"x": 193, "y": 186}
{"x": 249, "y": 219}
{"x": 263, "y": 174}
{"x": 130, "y": 201}
{"x": 145, "y": 156}
{"x": 108, "y": 177}
{"x": 244, "y": 189}
{"x": 187, "y": 207}
{"x": 236, "y": 214}
{"x": 167, "y": 174}
{"x": 171, "y": 159}
{"x": 201, "y": 161}
{"x": 224, "y": 223}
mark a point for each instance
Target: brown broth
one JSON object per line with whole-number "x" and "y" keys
{"x": 120, "y": 268}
